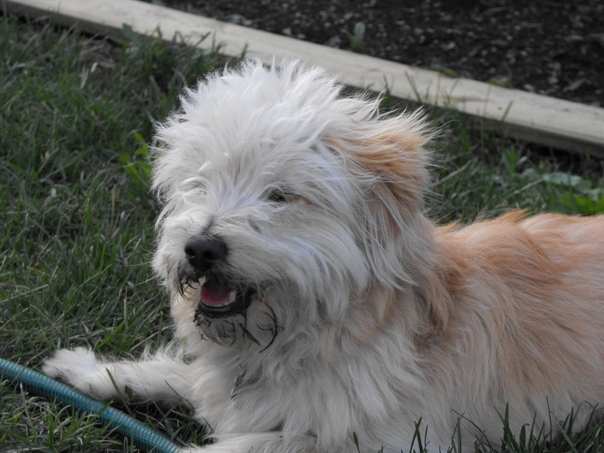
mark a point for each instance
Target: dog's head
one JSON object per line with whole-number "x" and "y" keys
{"x": 283, "y": 202}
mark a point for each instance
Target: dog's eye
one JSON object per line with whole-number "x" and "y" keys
{"x": 277, "y": 196}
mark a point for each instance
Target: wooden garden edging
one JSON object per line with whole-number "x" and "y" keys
{"x": 531, "y": 117}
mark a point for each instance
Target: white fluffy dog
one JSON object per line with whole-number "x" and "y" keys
{"x": 317, "y": 304}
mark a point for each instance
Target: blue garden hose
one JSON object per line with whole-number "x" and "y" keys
{"x": 142, "y": 435}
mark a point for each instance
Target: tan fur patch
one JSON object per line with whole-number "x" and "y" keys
{"x": 527, "y": 311}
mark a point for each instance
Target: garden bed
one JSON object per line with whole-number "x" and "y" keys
{"x": 551, "y": 47}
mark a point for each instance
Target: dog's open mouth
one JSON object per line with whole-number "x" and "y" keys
{"x": 218, "y": 300}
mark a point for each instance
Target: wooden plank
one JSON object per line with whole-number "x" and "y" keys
{"x": 535, "y": 118}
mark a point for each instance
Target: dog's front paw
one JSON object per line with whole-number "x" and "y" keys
{"x": 81, "y": 369}
{"x": 69, "y": 364}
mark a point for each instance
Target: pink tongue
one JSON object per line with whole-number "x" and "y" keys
{"x": 214, "y": 294}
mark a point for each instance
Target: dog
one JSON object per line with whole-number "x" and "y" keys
{"x": 318, "y": 309}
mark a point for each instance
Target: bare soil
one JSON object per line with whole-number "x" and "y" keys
{"x": 552, "y": 47}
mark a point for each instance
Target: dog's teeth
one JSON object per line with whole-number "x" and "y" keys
{"x": 232, "y": 298}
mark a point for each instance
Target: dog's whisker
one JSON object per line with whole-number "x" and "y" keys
{"x": 248, "y": 334}
{"x": 275, "y": 331}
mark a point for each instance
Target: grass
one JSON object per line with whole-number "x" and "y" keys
{"x": 76, "y": 219}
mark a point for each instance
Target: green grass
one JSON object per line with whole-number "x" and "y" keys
{"x": 76, "y": 219}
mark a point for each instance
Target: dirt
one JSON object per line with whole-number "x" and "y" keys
{"x": 550, "y": 47}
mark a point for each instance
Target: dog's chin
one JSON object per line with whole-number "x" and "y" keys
{"x": 235, "y": 317}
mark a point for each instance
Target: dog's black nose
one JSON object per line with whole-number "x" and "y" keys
{"x": 204, "y": 253}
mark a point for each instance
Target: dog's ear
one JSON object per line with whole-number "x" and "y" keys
{"x": 388, "y": 158}
{"x": 397, "y": 158}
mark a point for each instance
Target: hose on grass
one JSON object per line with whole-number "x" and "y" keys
{"x": 141, "y": 434}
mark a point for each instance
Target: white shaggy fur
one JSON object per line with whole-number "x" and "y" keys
{"x": 353, "y": 313}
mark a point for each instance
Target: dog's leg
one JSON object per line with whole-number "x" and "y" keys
{"x": 159, "y": 377}
{"x": 272, "y": 442}
{"x": 277, "y": 442}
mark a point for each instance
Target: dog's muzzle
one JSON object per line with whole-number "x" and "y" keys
{"x": 217, "y": 298}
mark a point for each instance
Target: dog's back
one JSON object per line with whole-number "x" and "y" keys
{"x": 526, "y": 325}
